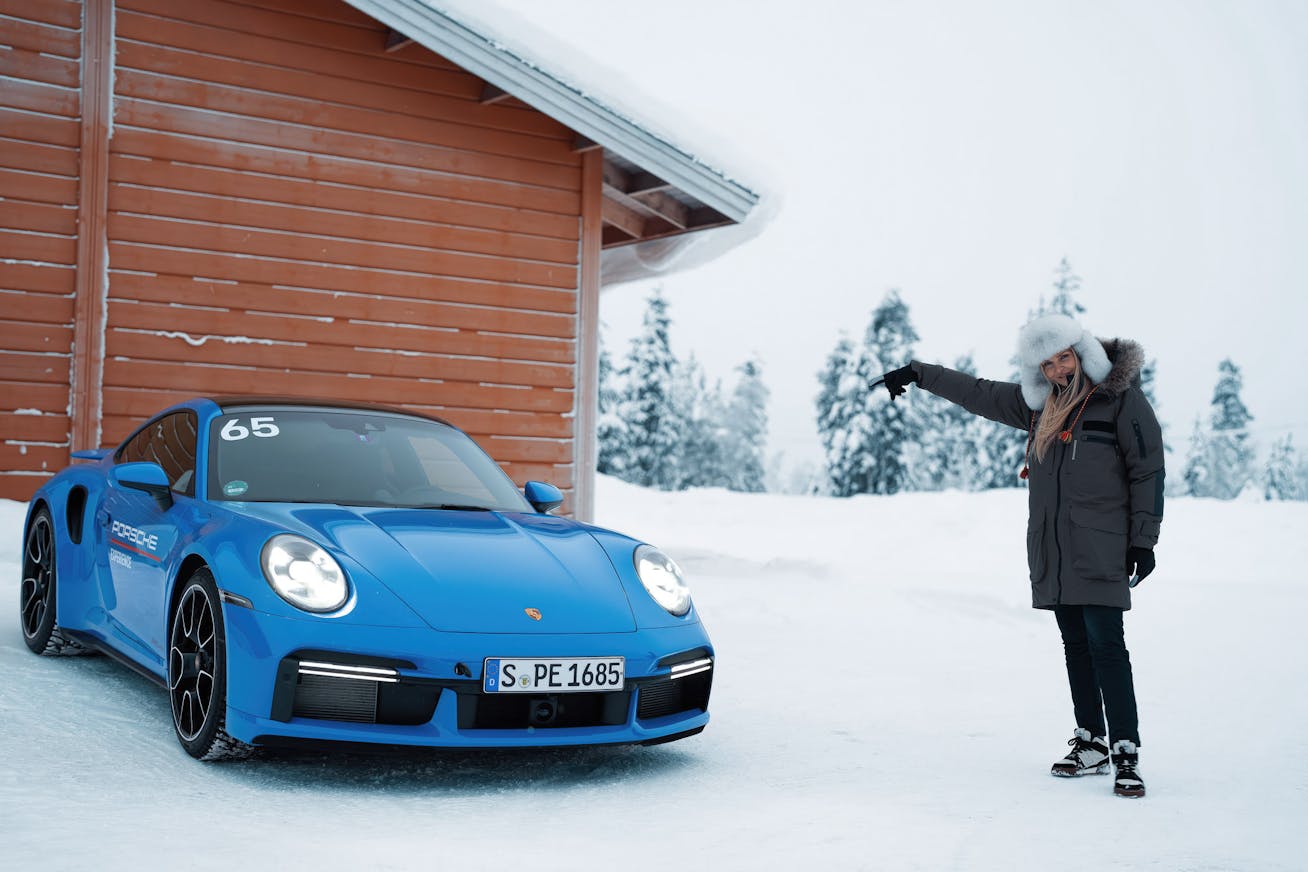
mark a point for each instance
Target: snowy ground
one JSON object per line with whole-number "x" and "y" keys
{"x": 885, "y": 699}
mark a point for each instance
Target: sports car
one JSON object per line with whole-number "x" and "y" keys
{"x": 297, "y": 571}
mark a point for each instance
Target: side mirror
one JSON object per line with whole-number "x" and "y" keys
{"x": 543, "y": 497}
{"x": 147, "y": 477}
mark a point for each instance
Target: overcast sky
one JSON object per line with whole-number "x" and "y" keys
{"x": 957, "y": 151}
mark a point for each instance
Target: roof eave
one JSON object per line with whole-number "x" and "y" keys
{"x": 473, "y": 51}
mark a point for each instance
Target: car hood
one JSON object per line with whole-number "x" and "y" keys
{"x": 475, "y": 572}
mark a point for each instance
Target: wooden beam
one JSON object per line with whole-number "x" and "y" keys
{"x": 614, "y": 177}
{"x": 619, "y": 215}
{"x": 614, "y": 237}
{"x": 644, "y": 183}
{"x": 631, "y": 204}
{"x": 491, "y": 94}
{"x": 585, "y": 450}
{"x": 396, "y": 40}
{"x": 613, "y": 241}
{"x": 584, "y": 144}
{"x": 91, "y": 284}
{"x": 706, "y": 216}
{"x": 670, "y": 209}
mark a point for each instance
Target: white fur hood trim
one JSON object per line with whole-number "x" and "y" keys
{"x": 1047, "y": 335}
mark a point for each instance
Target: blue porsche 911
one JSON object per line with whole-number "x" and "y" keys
{"x": 296, "y": 571}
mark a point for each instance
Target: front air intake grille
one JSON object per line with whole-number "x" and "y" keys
{"x": 336, "y": 699}
{"x": 362, "y": 692}
{"x": 670, "y": 696}
{"x": 518, "y": 711}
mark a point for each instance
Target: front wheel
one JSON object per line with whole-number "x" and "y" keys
{"x": 197, "y": 673}
{"x": 37, "y": 595}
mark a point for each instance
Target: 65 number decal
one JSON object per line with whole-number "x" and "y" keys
{"x": 235, "y": 431}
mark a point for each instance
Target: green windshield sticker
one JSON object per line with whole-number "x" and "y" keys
{"x": 235, "y": 488}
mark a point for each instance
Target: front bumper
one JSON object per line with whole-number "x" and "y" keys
{"x": 417, "y": 686}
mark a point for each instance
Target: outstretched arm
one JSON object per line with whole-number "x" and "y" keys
{"x": 998, "y": 401}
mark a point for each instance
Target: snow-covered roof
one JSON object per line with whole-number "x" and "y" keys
{"x": 665, "y": 191}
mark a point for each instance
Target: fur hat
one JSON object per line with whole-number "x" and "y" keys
{"x": 1044, "y": 337}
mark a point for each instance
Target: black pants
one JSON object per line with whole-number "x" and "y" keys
{"x": 1099, "y": 670}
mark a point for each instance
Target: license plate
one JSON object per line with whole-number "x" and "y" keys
{"x": 558, "y": 675}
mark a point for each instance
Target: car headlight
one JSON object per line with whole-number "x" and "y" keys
{"x": 663, "y": 579}
{"x": 304, "y": 574}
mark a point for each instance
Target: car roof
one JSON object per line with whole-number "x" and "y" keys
{"x": 226, "y": 403}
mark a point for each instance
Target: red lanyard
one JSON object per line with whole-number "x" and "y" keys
{"x": 1064, "y": 437}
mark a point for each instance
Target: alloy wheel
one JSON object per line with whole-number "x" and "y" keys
{"x": 38, "y": 576}
{"x": 192, "y": 653}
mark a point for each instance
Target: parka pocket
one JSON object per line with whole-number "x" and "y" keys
{"x": 1098, "y": 544}
{"x": 1035, "y": 549}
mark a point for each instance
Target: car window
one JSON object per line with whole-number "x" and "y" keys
{"x": 170, "y": 442}
{"x": 349, "y": 457}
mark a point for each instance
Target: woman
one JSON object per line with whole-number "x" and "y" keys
{"x": 1094, "y": 462}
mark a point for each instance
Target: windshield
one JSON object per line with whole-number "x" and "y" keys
{"x": 358, "y": 458}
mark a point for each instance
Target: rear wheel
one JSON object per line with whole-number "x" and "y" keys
{"x": 37, "y": 599}
{"x": 197, "y": 673}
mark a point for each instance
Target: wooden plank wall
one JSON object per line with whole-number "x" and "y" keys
{"x": 40, "y": 52}
{"x": 294, "y": 210}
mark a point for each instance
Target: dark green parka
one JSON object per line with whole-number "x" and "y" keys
{"x": 1091, "y": 498}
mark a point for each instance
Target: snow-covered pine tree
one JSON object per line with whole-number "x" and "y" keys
{"x": 701, "y": 459}
{"x": 1066, "y": 285}
{"x": 1008, "y": 445}
{"x": 841, "y": 415}
{"x": 1279, "y": 476}
{"x": 1004, "y": 451}
{"x": 1230, "y": 453}
{"x": 653, "y": 436}
{"x": 1195, "y": 475}
{"x": 970, "y": 463}
{"x": 888, "y": 345}
{"x": 747, "y": 428}
{"x": 1148, "y": 379}
{"x": 610, "y": 427}
{"x": 1148, "y": 375}
{"x": 951, "y": 450}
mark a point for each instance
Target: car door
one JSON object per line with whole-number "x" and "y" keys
{"x": 141, "y": 536}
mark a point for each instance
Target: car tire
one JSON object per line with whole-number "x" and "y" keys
{"x": 38, "y": 592}
{"x": 197, "y": 672}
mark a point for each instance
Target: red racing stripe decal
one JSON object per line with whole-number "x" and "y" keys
{"x": 145, "y": 554}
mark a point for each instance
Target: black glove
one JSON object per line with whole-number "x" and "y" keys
{"x": 1139, "y": 562}
{"x": 896, "y": 380}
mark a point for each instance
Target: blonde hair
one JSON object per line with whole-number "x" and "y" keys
{"x": 1061, "y": 402}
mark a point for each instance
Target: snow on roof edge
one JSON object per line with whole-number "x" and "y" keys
{"x": 474, "y": 41}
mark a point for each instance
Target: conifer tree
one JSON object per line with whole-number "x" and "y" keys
{"x": 1195, "y": 474}
{"x": 1279, "y": 476}
{"x": 1005, "y": 451}
{"x": 888, "y": 345}
{"x": 610, "y": 428}
{"x": 952, "y": 449}
{"x": 1008, "y": 445}
{"x": 841, "y": 407}
{"x": 1230, "y": 454}
{"x": 701, "y": 458}
{"x": 1066, "y": 285}
{"x": 747, "y": 428}
{"x": 653, "y": 436}
{"x": 1148, "y": 378}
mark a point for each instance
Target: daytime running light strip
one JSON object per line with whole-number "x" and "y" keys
{"x": 694, "y": 667}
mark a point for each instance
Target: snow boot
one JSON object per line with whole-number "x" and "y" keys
{"x": 1089, "y": 756}
{"x": 1126, "y": 757}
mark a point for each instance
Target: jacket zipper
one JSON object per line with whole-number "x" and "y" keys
{"x": 1139, "y": 437}
{"x": 1058, "y": 546}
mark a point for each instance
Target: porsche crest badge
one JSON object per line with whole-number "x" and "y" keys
{"x": 534, "y": 614}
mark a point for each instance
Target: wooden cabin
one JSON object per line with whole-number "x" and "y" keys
{"x": 364, "y": 200}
